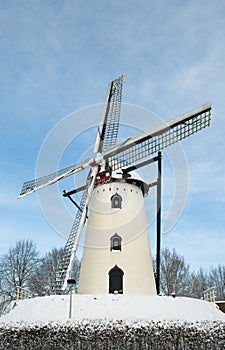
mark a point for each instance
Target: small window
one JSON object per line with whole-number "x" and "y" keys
{"x": 116, "y": 201}
{"x": 115, "y": 242}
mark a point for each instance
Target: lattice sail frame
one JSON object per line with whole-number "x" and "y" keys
{"x": 36, "y": 184}
{"x": 61, "y": 273}
{"x": 77, "y": 228}
{"x": 156, "y": 139}
{"x": 109, "y": 125}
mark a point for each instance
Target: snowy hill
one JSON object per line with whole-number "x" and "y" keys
{"x": 114, "y": 307}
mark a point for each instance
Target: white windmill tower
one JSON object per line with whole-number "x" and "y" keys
{"x": 117, "y": 254}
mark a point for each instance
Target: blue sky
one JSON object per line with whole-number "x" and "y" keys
{"x": 57, "y": 57}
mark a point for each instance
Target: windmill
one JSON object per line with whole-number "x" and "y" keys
{"x": 117, "y": 254}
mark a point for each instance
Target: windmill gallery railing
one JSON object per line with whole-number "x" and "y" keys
{"x": 22, "y": 293}
{"x": 210, "y": 294}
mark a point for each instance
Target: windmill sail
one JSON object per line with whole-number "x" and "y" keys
{"x": 109, "y": 125}
{"x": 70, "y": 244}
{"x": 106, "y": 138}
{"x": 154, "y": 140}
{"x": 34, "y": 185}
{"x": 75, "y": 234}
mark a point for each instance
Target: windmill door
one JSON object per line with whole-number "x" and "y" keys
{"x": 116, "y": 280}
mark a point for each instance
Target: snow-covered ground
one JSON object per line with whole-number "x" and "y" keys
{"x": 114, "y": 307}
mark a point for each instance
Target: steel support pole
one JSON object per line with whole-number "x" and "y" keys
{"x": 158, "y": 242}
{"x": 71, "y": 300}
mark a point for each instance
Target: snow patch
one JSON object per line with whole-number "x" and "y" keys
{"x": 113, "y": 307}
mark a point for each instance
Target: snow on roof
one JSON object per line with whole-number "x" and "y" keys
{"x": 117, "y": 174}
{"x": 113, "y": 307}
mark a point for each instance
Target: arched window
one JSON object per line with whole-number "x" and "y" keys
{"x": 115, "y": 242}
{"x": 116, "y": 280}
{"x": 116, "y": 201}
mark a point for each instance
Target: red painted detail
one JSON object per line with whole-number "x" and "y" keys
{"x": 102, "y": 178}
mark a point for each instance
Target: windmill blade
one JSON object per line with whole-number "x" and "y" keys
{"x": 109, "y": 125}
{"x": 36, "y": 184}
{"x": 158, "y": 138}
{"x": 75, "y": 234}
{"x": 61, "y": 274}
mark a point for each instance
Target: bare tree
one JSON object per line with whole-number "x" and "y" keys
{"x": 199, "y": 283}
{"x": 175, "y": 274}
{"x": 16, "y": 269}
{"x": 177, "y": 278}
{"x": 43, "y": 282}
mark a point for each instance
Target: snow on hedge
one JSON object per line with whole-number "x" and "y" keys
{"x": 117, "y": 322}
{"x": 111, "y": 334}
